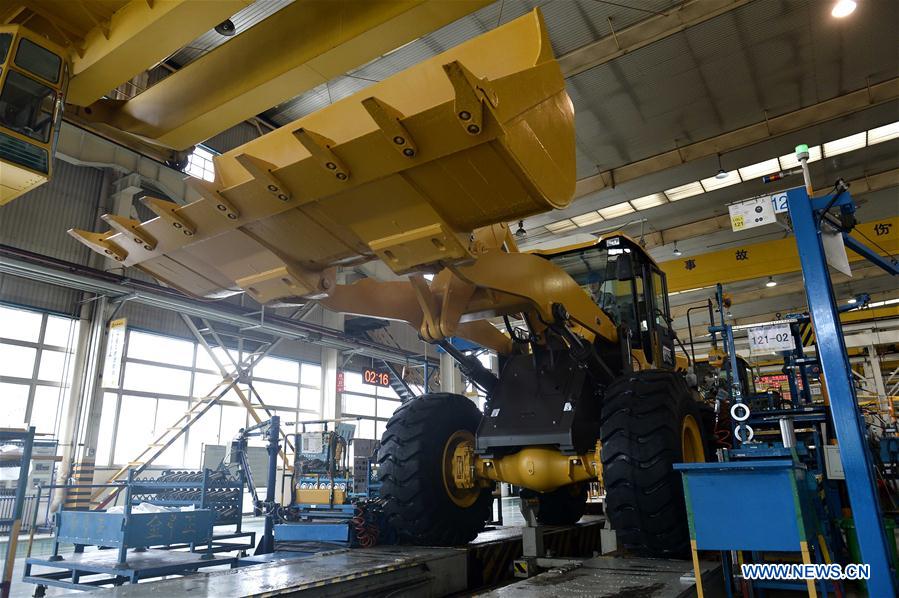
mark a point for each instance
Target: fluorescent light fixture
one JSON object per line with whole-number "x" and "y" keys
{"x": 882, "y": 303}
{"x": 846, "y": 144}
{"x": 884, "y": 133}
{"x": 619, "y": 209}
{"x": 648, "y": 201}
{"x": 843, "y": 8}
{"x": 789, "y": 161}
{"x": 771, "y": 282}
{"x": 852, "y": 301}
{"x": 757, "y": 171}
{"x": 684, "y": 191}
{"x": 587, "y": 219}
{"x": 561, "y": 226}
{"x": 717, "y": 182}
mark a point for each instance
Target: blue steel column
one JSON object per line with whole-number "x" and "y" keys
{"x": 847, "y": 421}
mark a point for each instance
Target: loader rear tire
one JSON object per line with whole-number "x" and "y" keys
{"x": 650, "y": 421}
{"x": 563, "y": 506}
{"x": 420, "y": 503}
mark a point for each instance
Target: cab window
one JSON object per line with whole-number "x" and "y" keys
{"x": 26, "y": 106}
{"x": 39, "y": 61}
{"x": 5, "y": 42}
{"x": 661, "y": 299}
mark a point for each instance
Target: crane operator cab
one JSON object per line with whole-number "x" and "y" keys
{"x": 629, "y": 286}
{"x": 33, "y": 78}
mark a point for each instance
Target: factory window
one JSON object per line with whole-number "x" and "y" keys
{"x": 200, "y": 164}
{"x": 373, "y": 405}
{"x": 162, "y": 377}
{"x": 36, "y": 366}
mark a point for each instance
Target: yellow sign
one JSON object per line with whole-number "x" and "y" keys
{"x": 758, "y": 260}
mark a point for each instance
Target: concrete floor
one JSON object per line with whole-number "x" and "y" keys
{"x": 43, "y": 546}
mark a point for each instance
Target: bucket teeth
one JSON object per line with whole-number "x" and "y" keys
{"x": 320, "y": 148}
{"x": 261, "y": 171}
{"x": 389, "y": 120}
{"x": 215, "y": 198}
{"x": 100, "y": 243}
{"x": 170, "y": 212}
{"x": 131, "y": 229}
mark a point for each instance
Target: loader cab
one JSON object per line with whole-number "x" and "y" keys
{"x": 33, "y": 79}
{"x": 627, "y": 284}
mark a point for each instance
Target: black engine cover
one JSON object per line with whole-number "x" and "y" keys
{"x": 553, "y": 403}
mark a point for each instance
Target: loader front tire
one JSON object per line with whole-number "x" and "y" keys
{"x": 650, "y": 421}
{"x": 420, "y": 502}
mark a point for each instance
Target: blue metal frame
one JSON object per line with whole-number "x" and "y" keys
{"x": 832, "y": 355}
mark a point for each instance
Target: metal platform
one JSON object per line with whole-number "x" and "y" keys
{"x": 403, "y": 570}
{"x": 398, "y": 570}
{"x": 605, "y": 577}
{"x": 87, "y": 570}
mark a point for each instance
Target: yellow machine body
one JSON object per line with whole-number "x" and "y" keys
{"x": 33, "y": 77}
{"x": 422, "y": 171}
{"x": 319, "y": 496}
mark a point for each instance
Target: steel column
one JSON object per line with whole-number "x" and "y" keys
{"x": 848, "y": 424}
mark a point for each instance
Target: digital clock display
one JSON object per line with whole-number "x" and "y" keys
{"x": 375, "y": 377}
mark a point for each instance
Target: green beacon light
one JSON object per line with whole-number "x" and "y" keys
{"x": 802, "y": 152}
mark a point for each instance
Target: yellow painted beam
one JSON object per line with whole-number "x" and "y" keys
{"x": 745, "y": 262}
{"x": 866, "y": 315}
{"x": 302, "y": 46}
{"x": 137, "y": 36}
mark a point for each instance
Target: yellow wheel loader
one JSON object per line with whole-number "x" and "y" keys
{"x": 422, "y": 171}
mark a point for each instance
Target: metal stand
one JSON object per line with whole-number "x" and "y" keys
{"x": 26, "y": 438}
{"x": 533, "y": 554}
{"x": 809, "y": 214}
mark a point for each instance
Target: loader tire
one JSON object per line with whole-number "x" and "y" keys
{"x": 650, "y": 421}
{"x": 421, "y": 505}
{"x": 562, "y": 506}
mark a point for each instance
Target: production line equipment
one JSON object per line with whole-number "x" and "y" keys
{"x": 172, "y": 524}
{"x": 824, "y": 462}
{"x": 333, "y": 503}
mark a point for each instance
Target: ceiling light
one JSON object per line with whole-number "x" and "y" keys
{"x": 619, "y": 209}
{"x": 884, "y": 133}
{"x": 718, "y": 182}
{"x": 852, "y": 301}
{"x": 771, "y": 282}
{"x": 677, "y": 252}
{"x": 587, "y": 219}
{"x": 226, "y": 28}
{"x": 846, "y": 144}
{"x": 760, "y": 169}
{"x": 521, "y": 233}
{"x": 561, "y": 226}
{"x": 684, "y": 191}
{"x": 789, "y": 161}
{"x": 721, "y": 174}
{"x": 843, "y": 8}
{"x": 648, "y": 201}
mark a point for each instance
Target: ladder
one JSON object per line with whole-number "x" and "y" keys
{"x": 261, "y": 352}
{"x": 400, "y": 379}
{"x": 165, "y": 440}
{"x": 229, "y": 381}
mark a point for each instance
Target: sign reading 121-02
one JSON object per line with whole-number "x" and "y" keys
{"x": 773, "y": 338}
{"x": 376, "y": 378}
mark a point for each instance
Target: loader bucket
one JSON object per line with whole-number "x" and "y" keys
{"x": 403, "y": 171}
